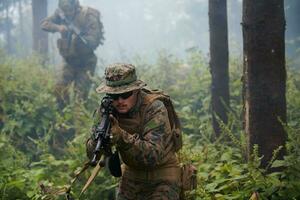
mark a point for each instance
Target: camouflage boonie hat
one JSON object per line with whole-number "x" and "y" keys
{"x": 120, "y": 78}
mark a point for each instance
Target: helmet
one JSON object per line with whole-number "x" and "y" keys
{"x": 67, "y": 5}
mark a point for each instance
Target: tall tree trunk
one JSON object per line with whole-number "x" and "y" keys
{"x": 21, "y": 21}
{"x": 8, "y": 27}
{"x": 21, "y": 34}
{"x": 264, "y": 76}
{"x": 219, "y": 61}
{"x": 40, "y": 37}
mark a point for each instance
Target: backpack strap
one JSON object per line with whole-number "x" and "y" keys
{"x": 85, "y": 11}
{"x": 153, "y": 95}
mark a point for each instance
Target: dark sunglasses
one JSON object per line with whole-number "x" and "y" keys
{"x": 125, "y": 95}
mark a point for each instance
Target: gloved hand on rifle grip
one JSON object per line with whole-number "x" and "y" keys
{"x": 62, "y": 29}
{"x": 116, "y": 131}
{"x": 90, "y": 146}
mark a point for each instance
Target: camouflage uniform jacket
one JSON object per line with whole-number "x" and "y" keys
{"x": 148, "y": 144}
{"x": 87, "y": 20}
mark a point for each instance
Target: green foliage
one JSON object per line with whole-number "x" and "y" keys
{"x": 26, "y": 102}
{"x": 224, "y": 174}
{"x": 292, "y": 94}
{"x": 223, "y": 171}
{"x": 42, "y": 144}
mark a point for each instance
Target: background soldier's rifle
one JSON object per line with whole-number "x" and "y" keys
{"x": 72, "y": 29}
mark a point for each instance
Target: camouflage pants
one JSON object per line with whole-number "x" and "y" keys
{"x": 147, "y": 190}
{"x": 76, "y": 70}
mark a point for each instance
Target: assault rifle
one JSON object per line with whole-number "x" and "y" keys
{"x": 102, "y": 154}
{"x": 71, "y": 27}
{"x": 103, "y": 144}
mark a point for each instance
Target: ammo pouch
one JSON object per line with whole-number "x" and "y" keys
{"x": 63, "y": 47}
{"x": 188, "y": 177}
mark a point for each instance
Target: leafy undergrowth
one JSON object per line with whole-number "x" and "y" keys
{"x": 43, "y": 144}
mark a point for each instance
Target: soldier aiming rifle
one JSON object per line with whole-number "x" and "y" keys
{"x": 145, "y": 130}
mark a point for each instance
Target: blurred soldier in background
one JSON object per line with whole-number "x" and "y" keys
{"x": 81, "y": 33}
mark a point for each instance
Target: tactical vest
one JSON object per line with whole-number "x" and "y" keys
{"x": 71, "y": 49}
{"x": 169, "y": 168}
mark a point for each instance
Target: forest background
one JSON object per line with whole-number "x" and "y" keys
{"x": 168, "y": 41}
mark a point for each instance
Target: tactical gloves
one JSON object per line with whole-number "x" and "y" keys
{"x": 117, "y": 137}
{"x": 116, "y": 131}
{"x": 90, "y": 147}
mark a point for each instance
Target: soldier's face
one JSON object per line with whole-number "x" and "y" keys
{"x": 69, "y": 11}
{"x": 125, "y": 101}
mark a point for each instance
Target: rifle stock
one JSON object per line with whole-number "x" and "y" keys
{"x": 95, "y": 172}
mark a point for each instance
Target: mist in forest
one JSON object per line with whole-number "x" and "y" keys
{"x": 145, "y": 28}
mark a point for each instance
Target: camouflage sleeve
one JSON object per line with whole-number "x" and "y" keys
{"x": 51, "y": 23}
{"x": 93, "y": 32}
{"x": 150, "y": 148}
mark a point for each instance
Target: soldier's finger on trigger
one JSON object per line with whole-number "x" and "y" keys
{"x": 112, "y": 119}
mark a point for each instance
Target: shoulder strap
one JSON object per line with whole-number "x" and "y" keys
{"x": 153, "y": 95}
{"x": 85, "y": 11}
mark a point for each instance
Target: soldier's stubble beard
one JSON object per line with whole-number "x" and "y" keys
{"x": 123, "y": 106}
